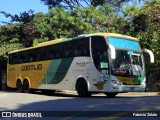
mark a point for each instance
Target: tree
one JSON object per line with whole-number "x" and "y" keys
{"x": 144, "y": 23}
{"x": 16, "y": 34}
{"x": 26, "y": 27}
{"x": 61, "y": 23}
{"x": 9, "y": 41}
{"x": 71, "y": 4}
{"x": 24, "y": 17}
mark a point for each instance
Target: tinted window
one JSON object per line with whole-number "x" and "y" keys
{"x": 75, "y": 48}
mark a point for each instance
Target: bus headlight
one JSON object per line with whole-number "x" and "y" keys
{"x": 143, "y": 83}
{"x": 117, "y": 82}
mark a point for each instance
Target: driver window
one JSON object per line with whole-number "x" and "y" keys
{"x": 100, "y": 54}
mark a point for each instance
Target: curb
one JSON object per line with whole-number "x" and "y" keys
{"x": 141, "y": 93}
{"x": 128, "y": 93}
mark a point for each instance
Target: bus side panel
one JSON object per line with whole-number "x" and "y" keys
{"x": 63, "y": 74}
{"x": 11, "y": 75}
{"x": 84, "y": 68}
{"x": 57, "y": 74}
{"x": 34, "y": 72}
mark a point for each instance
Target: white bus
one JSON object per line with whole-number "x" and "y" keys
{"x": 95, "y": 63}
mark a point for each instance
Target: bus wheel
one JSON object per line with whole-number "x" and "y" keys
{"x": 19, "y": 86}
{"x": 82, "y": 89}
{"x": 111, "y": 95}
{"x": 26, "y": 88}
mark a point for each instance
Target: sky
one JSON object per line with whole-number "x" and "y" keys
{"x": 16, "y": 6}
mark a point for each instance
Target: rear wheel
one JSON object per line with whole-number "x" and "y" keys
{"x": 19, "y": 86}
{"x": 82, "y": 89}
{"x": 26, "y": 88}
{"x": 111, "y": 95}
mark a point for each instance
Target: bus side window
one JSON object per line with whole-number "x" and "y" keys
{"x": 76, "y": 52}
{"x": 104, "y": 62}
{"x": 85, "y": 51}
{"x": 81, "y": 47}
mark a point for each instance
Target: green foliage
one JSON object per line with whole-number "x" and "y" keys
{"x": 71, "y": 4}
{"x": 152, "y": 31}
{"x": 17, "y": 34}
{"x": 24, "y": 17}
{"x": 10, "y": 39}
{"x": 61, "y": 23}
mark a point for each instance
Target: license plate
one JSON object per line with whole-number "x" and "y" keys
{"x": 132, "y": 88}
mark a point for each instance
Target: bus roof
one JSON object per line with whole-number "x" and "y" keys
{"x": 40, "y": 45}
{"x": 114, "y": 35}
{"x": 74, "y": 38}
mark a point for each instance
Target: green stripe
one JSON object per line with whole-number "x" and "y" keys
{"x": 57, "y": 70}
{"x": 140, "y": 79}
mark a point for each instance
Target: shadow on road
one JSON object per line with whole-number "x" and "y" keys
{"x": 95, "y": 95}
{"x": 69, "y": 105}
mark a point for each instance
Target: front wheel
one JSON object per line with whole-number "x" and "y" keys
{"x": 82, "y": 89}
{"x": 111, "y": 95}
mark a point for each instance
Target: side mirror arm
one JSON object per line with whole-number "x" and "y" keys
{"x": 150, "y": 54}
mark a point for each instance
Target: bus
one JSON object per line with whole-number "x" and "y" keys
{"x": 106, "y": 63}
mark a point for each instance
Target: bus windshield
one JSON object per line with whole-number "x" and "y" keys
{"x": 128, "y": 63}
{"x": 129, "y": 58}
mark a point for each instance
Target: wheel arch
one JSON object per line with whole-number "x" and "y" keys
{"x": 82, "y": 79}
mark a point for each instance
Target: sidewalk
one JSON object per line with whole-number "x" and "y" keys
{"x": 124, "y": 94}
{"x": 119, "y": 94}
{"x": 141, "y": 93}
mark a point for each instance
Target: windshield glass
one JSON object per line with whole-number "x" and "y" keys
{"x": 123, "y": 43}
{"x": 128, "y": 63}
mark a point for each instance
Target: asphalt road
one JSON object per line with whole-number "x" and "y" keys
{"x": 68, "y": 106}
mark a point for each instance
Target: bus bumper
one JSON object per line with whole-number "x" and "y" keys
{"x": 128, "y": 88}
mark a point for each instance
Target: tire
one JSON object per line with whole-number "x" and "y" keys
{"x": 82, "y": 89}
{"x": 19, "y": 86}
{"x": 111, "y": 95}
{"x": 26, "y": 88}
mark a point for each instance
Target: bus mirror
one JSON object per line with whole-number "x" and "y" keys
{"x": 150, "y": 54}
{"x": 113, "y": 52}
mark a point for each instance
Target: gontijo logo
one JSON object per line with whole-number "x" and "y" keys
{"x": 31, "y": 67}
{"x": 21, "y": 114}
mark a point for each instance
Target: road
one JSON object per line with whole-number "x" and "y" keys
{"x": 133, "y": 105}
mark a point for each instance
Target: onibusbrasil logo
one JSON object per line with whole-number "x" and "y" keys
{"x": 21, "y": 114}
